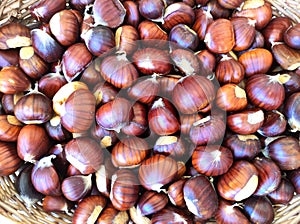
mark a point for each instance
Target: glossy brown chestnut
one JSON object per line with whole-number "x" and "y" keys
{"x": 76, "y": 187}
{"x": 44, "y": 177}
{"x": 285, "y": 152}
{"x": 10, "y": 128}
{"x": 152, "y": 10}
{"x": 193, "y": 93}
{"x": 132, "y": 16}
{"x": 243, "y": 146}
{"x": 218, "y": 41}
{"x": 187, "y": 121}
{"x": 55, "y": 204}
{"x": 208, "y": 130}
{"x": 13, "y": 80}
{"x": 294, "y": 177}
{"x": 291, "y": 36}
{"x": 184, "y": 37}
{"x": 124, "y": 189}
{"x": 104, "y": 92}
{"x": 149, "y": 30}
{"x": 216, "y": 10}
{"x": 33, "y": 143}
{"x": 259, "y": 210}
{"x": 33, "y": 108}
{"x": 80, "y": 4}
{"x": 200, "y": 197}
{"x": 170, "y": 145}
{"x": 105, "y": 138}
{"x": 207, "y": 59}
{"x": 228, "y": 212}
{"x": 112, "y": 215}
{"x": 85, "y": 154}
{"x": 230, "y": 4}
{"x": 171, "y": 214}
{"x": 10, "y": 161}
{"x": 14, "y": 35}
{"x": 115, "y": 114}
{"x": 175, "y": 193}
{"x": 239, "y": 183}
{"x": 9, "y": 57}
{"x": 129, "y": 152}
{"x": 269, "y": 176}
{"x": 50, "y": 83}
{"x": 152, "y": 60}
{"x": 64, "y": 26}
{"x": 256, "y": 61}
{"x": 74, "y": 60}
{"x": 292, "y": 85}
{"x": 118, "y": 70}
{"x": 266, "y": 91}
{"x": 275, "y": 30}
{"x": 109, "y": 13}
{"x": 126, "y": 39}
{"x": 212, "y": 160}
{"x": 202, "y": 21}
{"x": 44, "y": 10}
{"x": 151, "y": 202}
{"x": 284, "y": 192}
{"x": 56, "y": 131}
{"x": 288, "y": 58}
{"x": 231, "y": 97}
{"x": 177, "y": 13}
{"x": 89, "y": 209}
{"x": 246, "y": 122}
{"x": 145, "y": 89}
{"x": 274, "y": 124}
{"x": 157, "y": 171}
{"x": 99, "y": 39}
{"x": 46, "y": 46}
{"x": 8, "y": 102}
{"x": 291, "y": 110}
{"x": 162, "y": 118}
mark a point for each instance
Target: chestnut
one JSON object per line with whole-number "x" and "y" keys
{"x": 44, "y": 10}
{"x": 228, "y": 212}
{"x": 109, "y": 13}
{"x": 33, "y": 108}
{"x": 99, "y": 39}
{"x": 104, "y": 92}
{"x": 152, "y": 10}
{"x": 269, "y": 176}
{"x": 104, "y": 177}
{"x": 8, "y": 102}
{"x": 243, "y": 146}
{"x": 230, "y": 97}
{"x": 239, "y": 183}
{"x": 167, "y": 84}
{"x": 202, "y": 21}
{"x": 44, "y": 177}
{"x": 259, "y": 210}
{"x": 193, "y": 93}
{"x": 14, "y": 35}
{"x": 85, "y": 154}
{"x": 230, "y": 4}
{"x": 10, "y": 162}
{"x": 162, "y": 118}
{"x": 56, "y": 130}
{"x": 129, "y": 152}
{"x": 115, "y": 114}
{"x": 229, "y": 70}
{"x": 76, "y": 187}
{"x": 13, "y": 80}
{"x": 126, "y": 39}
{"x": 256, "y": 61}
{"x": 274, "y": 124}
{"x": 32, "y": 143}
{"x": 118, "y": 70}
{"x": 212, "y": 160}
{"x": 170, "y": 145}
{"x": 184, "y": 37}
{"x": 246, "y": 122}
{"x": 105, "y": 138}
{"x": 288, "y": 58}
{"x": 291, "y": 109}
{"x": 207, "y": 59}
{"x": 50, "y": 83}
{"x": 152, "y": 60}
{"x": 66, "y": 36}
{"x": 88, "y": 209}
{"x": 283, "y": 194}
{"x": 171, "y": 214}
{"x": 200, "y": 197}
{"x": 291, "y": 36}
{"x": 9, "y": 57}
{"x": 124, "y": 189}
{"x": 157, "y": 171}
{"x": 151, "y": 202}
{"x": 74, "y": 60}
{"x": 266, "y": 91}
{"x": 132, "y": 16}
{"x": 111, "y": 215}
{"x": 294, "y": 177}
{"x": 218, "y": 41}
{"x": 10, "y": 128}
{"x": 285, "y": 152}
{"x": 149, "y": 30}
{"x": 187, "y": 121}
{"x": 175, "y": 193}
{"x": 56, "y": 204}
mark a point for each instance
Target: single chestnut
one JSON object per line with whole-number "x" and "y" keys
{"x": 151, "y": 202}
{"x": 10, "y": 162}
{"x": 126, "y": 39}
{"x": 50, "y": 83}
{"x": 184, "y": 37}
{"x": 288, "y": 58}
{"x": 10, "y": 128}
{"x": 132, "y": 16}
{"x": 175, "y": 193}
{"x": 44, "y": 10}
{"x": 56, "y": 204}
{"x": 283, "y": 194}
{"x": 152, "y": 10}
{"x": 274, "y": 124}
{"x": 170, "y": 145}
{"x": 291, "y": 110}
{"x": 291, "y": 36}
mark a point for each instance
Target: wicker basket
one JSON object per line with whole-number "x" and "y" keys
{"x": 13, "y": 209}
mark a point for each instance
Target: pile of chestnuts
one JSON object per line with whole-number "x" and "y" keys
{"x": 152, "y": 111}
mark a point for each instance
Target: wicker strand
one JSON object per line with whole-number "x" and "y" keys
{"x": 285, "y": 9}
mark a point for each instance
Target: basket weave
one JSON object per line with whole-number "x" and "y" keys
{"x": 13, "y": 209}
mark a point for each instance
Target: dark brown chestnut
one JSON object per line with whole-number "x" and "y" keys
{"x": 33, "y": 143}
{"x": 170, "y": 145}
{"x": 291, "y": 110}
{"x": 239, "y": 183}
{"x": 207, "y": 59}
{"x": 88, "y": 209}
{"x": 157, "y": 171}
{"x": 109, "y": 13}
{"x": 274, "y": 124}
{"x": 44, "y": 10}
{"x": 10, "y": 162}
{"x": 50, "y": 83}
{"x": 10, "y": 128}
{"x": 152, "y": 10}
{"x": 171, "y": 214}
{"x": 149, "y": 30}
{"x": 56, "y": 204}
{"x": 85, "y": 154}
{"x": 104, "y": 92}
{"x": 200, "y": 197}
{"x": 132, "y": 16}
{"x": 184, "y": 37}
{"x": 291, "y": 36}
{"x": 126, "y": 39}
{"x": 162, "y": 118}
{"x": 76, "y": 187}
{"x": 284, "y": 192}
{"x": 56, "y": 131}
{"x": 45, "y": 178}
{"x": 105, "y": 138}
{"x": 175, "y": 193}
{"x": 294, "y": 177}
{"x": 193, "y": 93}
{"x": 212, "y": 160}
{"x": 9, "y": 57}
{"x": 111, "y": 215}
{"x": 202, "y": 21}
{"x": 124, "y": 189}
{"x": 151, "y": 202}
{"x": 288, "y": 58}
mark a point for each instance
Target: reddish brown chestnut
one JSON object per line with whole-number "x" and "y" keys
{"x": 151, "y": 202}
{"x": 10, "y": 128}
{"x": 10, "y": 161}
{"x": 44, "y": 10}
{"x": 76, "y": 187}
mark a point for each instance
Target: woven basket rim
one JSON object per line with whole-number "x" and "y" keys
{"x": 12, "y": 207}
